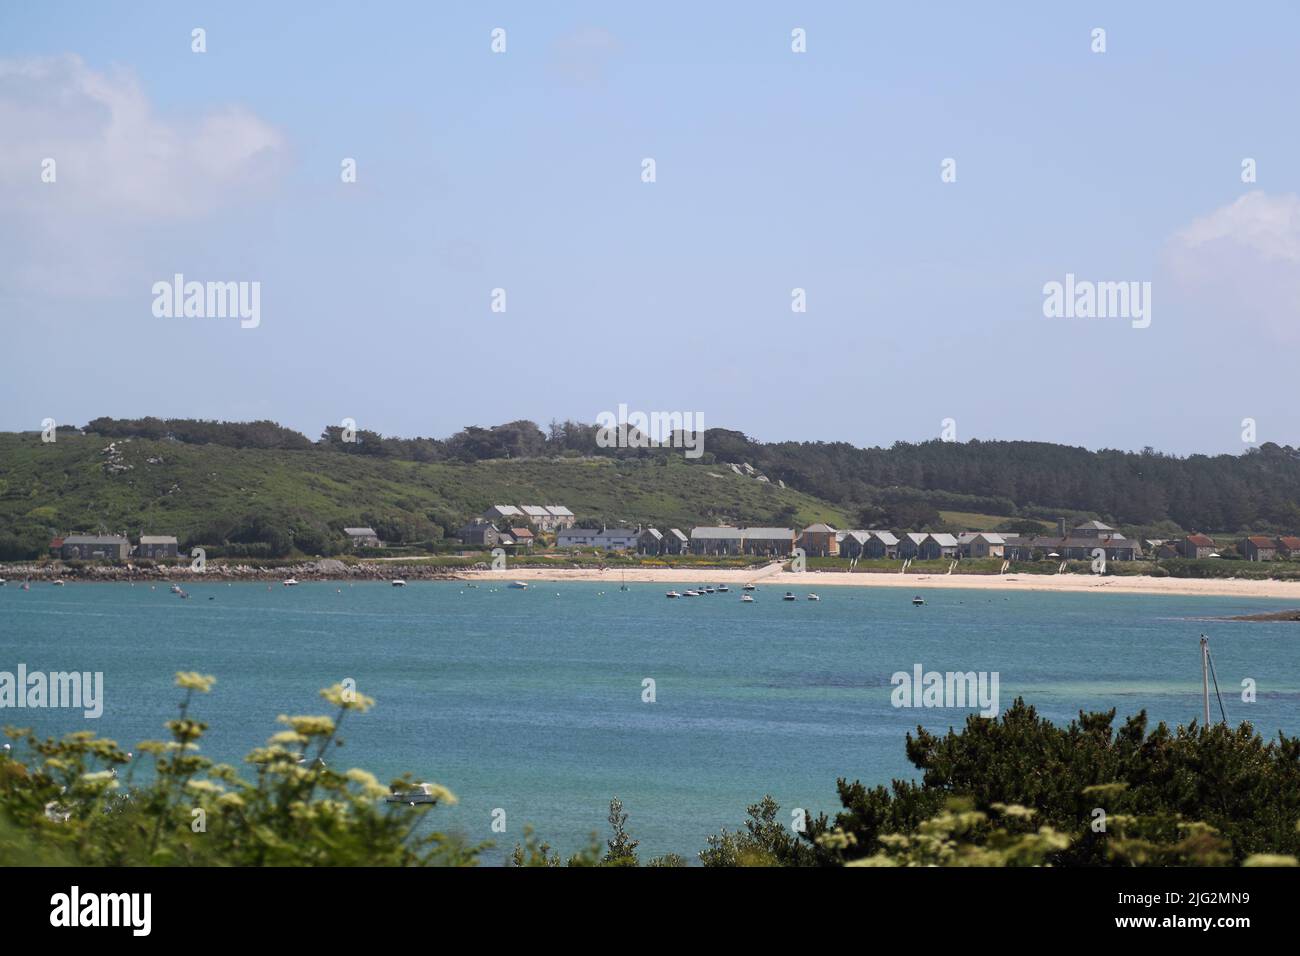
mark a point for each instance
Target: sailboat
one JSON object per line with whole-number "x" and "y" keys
{"x": 623, "y": 586}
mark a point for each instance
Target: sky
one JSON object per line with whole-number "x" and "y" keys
{"x": 774, "y": 170}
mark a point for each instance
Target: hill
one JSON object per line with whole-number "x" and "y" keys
{"x": 266, "y": 501}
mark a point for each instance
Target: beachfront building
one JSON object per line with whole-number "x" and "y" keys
{"x": 524, "y": 538}
{"x": 1288, "y": 547}
{"x": 363, "y": 538}
{"x": 935, "y": 547}
{"x": 909, "y": 545}
{"x": 1258, "y": 548}
{"x": 502, "y": 512}
{"x": 883, "y": 544}
{"x": 617, "y": 539}
{"x": 651, "y": 541}
{"x": 1197, "y": 546}
{"x": 869, "y": 544}
{"x": 538, "y": 517}
{"x": 676, "y": 542}
{"x": 1074, "y": 548}
{"x": 1094, "y": 529}
{"x": 853, "y": 543}
{"x": 480, "y": 534}
{"x": 768, "y": 541}
{"x": 718, "y": 540}
{"x": 980, "y": 544}
{"x": 156, "y": 547}
{"x": 561, "y": 516}
{"x": 576, "y": 537}
{"x": 819, "y": 541}
{"x": 95, "y": 547}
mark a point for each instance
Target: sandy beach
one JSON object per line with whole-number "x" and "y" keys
{"x": 773, "y": 577}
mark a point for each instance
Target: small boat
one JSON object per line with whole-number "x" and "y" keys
{"x": 918, "y": 601}
{"x": 2, "y": 582}
{"x": 290, "y": 582}
{"x": 789, "y": 596}
{"x": 419, "y": 793}
{"x": 722, "y": 589}
{"x": 672, "y": 594}
{"x": 813, "y": 597}
{"x": 57, "y": 582}
{"x": 398, "y": 583}
{"x": 176, "y": 589}
{"x": 707, "y": 589}
{"x": 690, "y": 593}
{"x": 184, "y": 594}
{"x": 747, "y": 599}
{"x": 750, "y": 587}
{"x": 519, "y": 585}
{"x": 26, "y": 586}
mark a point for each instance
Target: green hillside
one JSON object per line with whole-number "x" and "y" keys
{"x": 207, "y": 494}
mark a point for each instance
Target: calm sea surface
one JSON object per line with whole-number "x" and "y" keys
{"x": 531, "y": 701}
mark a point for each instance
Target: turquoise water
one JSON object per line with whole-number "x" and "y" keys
{"x": 531, "y": 701}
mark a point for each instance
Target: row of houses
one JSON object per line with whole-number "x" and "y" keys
{"x": 541, "y": 517}
{"x": 1255, "y": 547}
{"x": 113, "y": 547}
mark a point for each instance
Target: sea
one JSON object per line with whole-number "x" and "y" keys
{"x": 536, "y": 707}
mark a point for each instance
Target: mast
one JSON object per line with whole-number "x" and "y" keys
{"x": 1205, "y": 676}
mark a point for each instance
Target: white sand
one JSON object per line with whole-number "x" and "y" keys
{"x": 772, "y": 576}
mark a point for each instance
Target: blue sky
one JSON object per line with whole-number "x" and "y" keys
{"x": 775, "y": 170}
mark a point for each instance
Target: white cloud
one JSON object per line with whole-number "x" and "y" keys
{"x": 1237, "y": 265}
{"x": 114, "y": 153}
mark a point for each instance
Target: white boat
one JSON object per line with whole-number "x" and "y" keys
{"x": 290, "y": 582}
{"x": 520, "y": 585}
{"x": 750, "y": 587}
{"x": 918, "y": 600}
{"x": 747, "y": 599}
{"x": 789, "y": 596}
{"x": 672, "y": 594}
{"x": 813, "y": 597}
{"x": 690, "y": 593}
{"x": 57, "y": 582}
{"x": 398, "y": 583}
{"x": 708, "y": 589}
{"x": 419, "y": 793}
{"x": 722, "y": 589}
{"x": 2, "y": 582}
{"x": 176, "y": 589}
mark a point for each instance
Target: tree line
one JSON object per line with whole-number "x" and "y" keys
{"x": 906, "y": 484}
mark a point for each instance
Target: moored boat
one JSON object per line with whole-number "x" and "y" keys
{"x": 398, "y": 583}
{"x": 672, "y": 594}
{"x": 918, "y": 601}
{"x": 519, "y": 585}
{"x": 747, "y": 599}
{"x": 813, "y": 597}
{"x": 290, "y": 582}
{"x": 789, "y": 596}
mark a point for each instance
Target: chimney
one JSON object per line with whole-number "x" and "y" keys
{"x": 1060, "y": 526}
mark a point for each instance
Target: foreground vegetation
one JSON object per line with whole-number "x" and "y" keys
{"x": 1011, "y": 791}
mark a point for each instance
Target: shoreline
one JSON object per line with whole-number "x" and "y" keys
{"x": 769, "y": 576}
{"x": 773, "y": 577}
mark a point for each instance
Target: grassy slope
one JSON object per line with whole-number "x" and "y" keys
{"x": 66, "y": 485}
